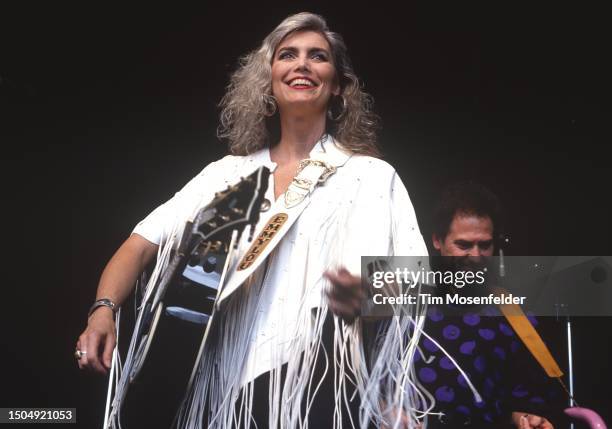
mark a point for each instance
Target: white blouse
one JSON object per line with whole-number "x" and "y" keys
{"x": 361, "y": 210}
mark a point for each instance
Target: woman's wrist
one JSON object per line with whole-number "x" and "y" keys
{"x": 103, "y": 303}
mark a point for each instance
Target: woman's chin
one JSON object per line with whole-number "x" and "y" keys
{"x": 303, "y": 106}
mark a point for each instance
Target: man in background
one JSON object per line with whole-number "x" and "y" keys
{"x": 466, "y": 222}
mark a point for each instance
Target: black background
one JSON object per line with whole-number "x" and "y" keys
{"x": 107, "y": 111}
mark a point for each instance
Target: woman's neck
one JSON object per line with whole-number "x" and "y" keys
{"x": 298, "y": 136}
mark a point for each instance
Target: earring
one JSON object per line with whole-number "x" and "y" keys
{"x": 270, "y": 106}
{"x": 337, "y": 110}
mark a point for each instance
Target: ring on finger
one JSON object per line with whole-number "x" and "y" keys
{"x": 78, "y": 354}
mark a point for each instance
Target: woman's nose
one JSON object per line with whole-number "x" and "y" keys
{"x": 302, "y": 63}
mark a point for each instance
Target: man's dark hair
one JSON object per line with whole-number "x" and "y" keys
{"x": 466, "y": 198}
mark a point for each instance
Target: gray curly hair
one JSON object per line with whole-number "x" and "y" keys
{"x": 249, "y": 94}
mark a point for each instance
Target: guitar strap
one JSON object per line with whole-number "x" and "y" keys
{"x": 529, "y": 336}
{"x": 284, "y": 212}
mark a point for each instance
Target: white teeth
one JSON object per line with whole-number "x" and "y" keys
{"x": 301, "y": 82}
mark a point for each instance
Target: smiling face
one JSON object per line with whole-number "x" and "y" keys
{"x": 303, "y": 73}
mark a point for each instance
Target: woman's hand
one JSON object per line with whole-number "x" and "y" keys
{"x": 346, "y": 294}
{"x": 98, "y": 341}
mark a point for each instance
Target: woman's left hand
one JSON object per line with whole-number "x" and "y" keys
{"x": 346, "y": 294}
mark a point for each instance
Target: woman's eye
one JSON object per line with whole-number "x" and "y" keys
{"x": 319, "y": 57}
{"x": 285, "y": 55}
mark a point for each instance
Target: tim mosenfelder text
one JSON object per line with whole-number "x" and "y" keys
{"x": 450, "y": 299}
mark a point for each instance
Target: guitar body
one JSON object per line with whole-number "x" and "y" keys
{"x": 155, "y": 395}
{"x": 159, "y": 387}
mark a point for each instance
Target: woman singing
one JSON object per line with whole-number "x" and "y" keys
{"x": 293, "y": 100}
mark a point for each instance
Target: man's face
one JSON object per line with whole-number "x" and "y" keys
{"x": 469, "y": 236}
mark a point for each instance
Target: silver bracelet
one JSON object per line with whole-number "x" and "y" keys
{"x": 104, "y": 302}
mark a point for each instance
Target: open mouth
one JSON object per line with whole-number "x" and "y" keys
{"x": 301, "y": 83}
